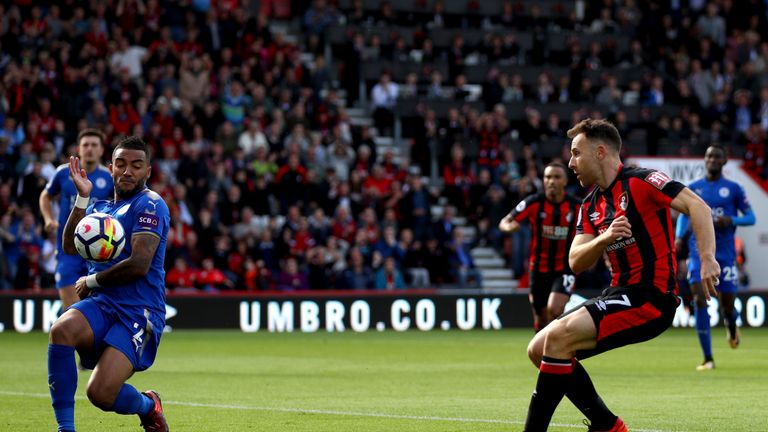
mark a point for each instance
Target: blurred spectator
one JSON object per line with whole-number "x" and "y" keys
{"x": 462, "y": 264}
{"x": 180, "y": 276}
{"x": 290, "y": 279}
{"x": 388, "y": 277}
{"x": 383, "y": 97}
{"x": 413, "y": 263}
{"x": 357, "y": 275}
{"x": 210, "y": 278}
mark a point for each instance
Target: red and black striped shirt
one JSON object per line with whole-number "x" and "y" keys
{"x": 643, "y": 196}
{"x": 553, "y": 225}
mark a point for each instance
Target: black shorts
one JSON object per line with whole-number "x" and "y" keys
{"x": 628, "y": 315}
{"x": 542, "y": 284}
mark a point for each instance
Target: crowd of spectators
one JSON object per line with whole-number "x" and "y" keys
{"x": 674, "y": 76}
{"x": 270, "y": 184}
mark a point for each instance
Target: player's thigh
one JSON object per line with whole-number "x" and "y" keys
{"x": 72, "y": 329}
{"x": 557, "y": 302}
{"x": 624, "y": 316}
{"x": 540, "y": 287}
{"x": 562, "y": 285}
{"x": 570, "y": 333}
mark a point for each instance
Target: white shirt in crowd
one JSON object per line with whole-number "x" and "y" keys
{"x": 384, "y": 96}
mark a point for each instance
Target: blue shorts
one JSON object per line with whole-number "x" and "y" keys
{"x": 135, "y": 334}
{"x": 69, "y": 268}
{"x": 729, "y": 275}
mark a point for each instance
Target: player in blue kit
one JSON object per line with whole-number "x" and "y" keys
{"x": 117, "y": 325}
{"x": 90, "y": 148}
{"x": 727, "y": 199}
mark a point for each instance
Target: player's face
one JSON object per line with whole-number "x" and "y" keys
{"x": 90, "y": 149}
{"x": 714, "y": 159}
{"x": 130, "y": 170}
{"x": 555, "y": 180}
{"x": 583, "y": 160}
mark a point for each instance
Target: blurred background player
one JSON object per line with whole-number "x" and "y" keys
{"x": 552, "y": 217}
{"x": 90, "y": 148}
{"x": 117, "y": 328}
{"x": 727, "y": 199}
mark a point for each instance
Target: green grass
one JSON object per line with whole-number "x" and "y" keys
{"x": 437, "y": 381}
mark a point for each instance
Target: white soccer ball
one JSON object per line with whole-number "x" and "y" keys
{"x": 99, "y": 237}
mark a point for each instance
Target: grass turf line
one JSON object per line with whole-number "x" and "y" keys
{"x": 413, "y": 381}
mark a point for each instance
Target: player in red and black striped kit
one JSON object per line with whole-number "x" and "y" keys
{"x": 552, "y": 218}
{"x": 627, "y": 216}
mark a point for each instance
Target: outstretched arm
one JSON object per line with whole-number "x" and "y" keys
{"x": 700, "y": 214}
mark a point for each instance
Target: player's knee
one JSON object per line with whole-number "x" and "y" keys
{"x": 700, "y": 301}
{"x": 535, "y": 352}
{"x": 62, "y": 332}
{"x": 100, "y": 397}
{"x": 557, "y": 341}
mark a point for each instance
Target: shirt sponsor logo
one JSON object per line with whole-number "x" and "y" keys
{"x": 554, "y": 232}
{"x": 658, "y": 179}
{"x": 147, "y": 220}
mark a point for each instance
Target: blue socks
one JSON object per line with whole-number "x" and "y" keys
{"x": 62, "y": 383}
{"x": 130, "y": 401}
{"x": 704, "y": 332}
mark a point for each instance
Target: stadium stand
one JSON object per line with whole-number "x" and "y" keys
{"x": 279, "y": 171}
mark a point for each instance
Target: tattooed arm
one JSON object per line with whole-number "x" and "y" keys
{"x": 143, "y": 247}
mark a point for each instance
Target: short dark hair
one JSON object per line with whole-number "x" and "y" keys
{"x": 133, "y": 142}
{"x": 720, "y": 147}
{"x": 91, "y": 132}
{"x": 601, "y": 130}
{"x": 557, "y": 164}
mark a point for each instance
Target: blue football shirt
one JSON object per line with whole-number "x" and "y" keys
{"x": 725, "y": 198}
{"x": 61, "y": 184}
{"x": 144, "y": 214}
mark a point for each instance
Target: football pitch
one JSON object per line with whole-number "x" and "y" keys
{"x": 389, "y": 381}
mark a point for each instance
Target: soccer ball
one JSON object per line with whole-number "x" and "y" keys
{"x": 99, "y": 237}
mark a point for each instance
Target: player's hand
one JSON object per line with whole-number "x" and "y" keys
{"x": 723, "y": 221}
{"x": 79, "y": 177}
{"x": 51, "y": 227}
{"x": 710, "y": 276}
{"x": 505, "y": 225}
{"x": 81, "y": 288}
{"x": 620, "y": 228}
